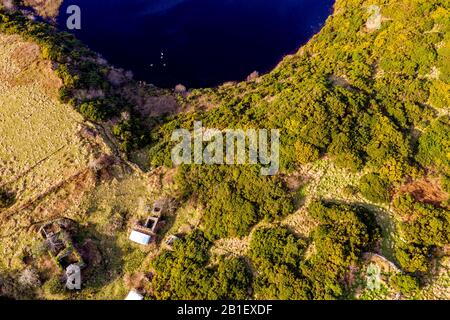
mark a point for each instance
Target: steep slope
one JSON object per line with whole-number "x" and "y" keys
{"x": 363, "y": 185}
{"x": 42, "y": 148}
{"x": 363, "y": 110}
{"x": 54, "y": 164}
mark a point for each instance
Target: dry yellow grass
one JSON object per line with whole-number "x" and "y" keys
{"x": 45, "y": 160}
{"x": 39, "y": 143}
{"x": 39, "y": 146}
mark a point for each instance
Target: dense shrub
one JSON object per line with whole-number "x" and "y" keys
{"x": 429, "y": 226}
{"x": 434, "y": 145}
{"x": 274, "y": 246}
{"x": 96, "y": 110}
{"x": 277, "y": 254}
{"x": 446, "y": 184}
{"x": 282, "y": 284}
{"x": 343, "y": 234}
{"x": 131, "y": 135}
{"x": 231, "y": 280}
{"x": 185, "y": 273}
{"x": 234, "y": 198}
{"x": 91, "y": 75}
{"x": 306, "y": 153}
{"x": 407, "y": 285}
{"x": 424, "y": 229}
{"x": 413, "y": 258}
{"x": 69, "y": 80}
{"x": 425, "y": 224}
{"x": 54, "y": 286}
{"x": 375, "y": 189}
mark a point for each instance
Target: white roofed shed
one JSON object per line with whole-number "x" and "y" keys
{"x": 140, "y": 237}
{"x": 134, "y": 295}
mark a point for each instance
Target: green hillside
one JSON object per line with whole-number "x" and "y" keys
{"x": 372, "y": 102}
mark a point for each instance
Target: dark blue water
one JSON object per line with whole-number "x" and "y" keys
{"x": 197, "y": 42}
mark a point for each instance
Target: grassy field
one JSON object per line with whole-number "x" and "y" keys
{"x": 44, "y": 160}
{"x": 39, "y": 145}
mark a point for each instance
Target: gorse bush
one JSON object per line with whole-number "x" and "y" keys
{"x": 407, "y": 285}
{"x": 277, "y": 255}
{"x": 95, "y": 110}
{"x": 306, "y": 153}
{"x": 413, "y": 258}
{"x": 284, "y": 269}
{"x": 426, "y": 224}
{"x": 343, "y": 234}
{"x": 434, "y": 145}
{"x": 184, "y": 273}
{"x": 131, "y": 134}
{"x": 274, "y": 246}
{"x": 375, "y": 189}
{"x": 55, "y": 286}
{"x": 446, "y": 183}
{"x": 235, "y": 198}
{"x": 430, "y": 226}
{"x": 425, "y": 228}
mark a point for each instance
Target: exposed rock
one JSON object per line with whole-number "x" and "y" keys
{"x": 9, "y": 4}
{"x": 179, "y": 88}
{"x": 45, "y": 8}
{"x": 102, "y": 162}
{"x": 29, "y": 278}
{"x": 116, "y": 77}
{"x": 374, "y": 21}
{"x": 253, "y": 76}
{"x": 87, "y": 133}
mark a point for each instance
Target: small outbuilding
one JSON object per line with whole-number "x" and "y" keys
{"x": 140, "y": 237}
{"x": 134, "y": 295}
{"x": 146, "y": 233}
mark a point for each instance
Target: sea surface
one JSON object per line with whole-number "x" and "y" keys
{"x": 198, "y": 43}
